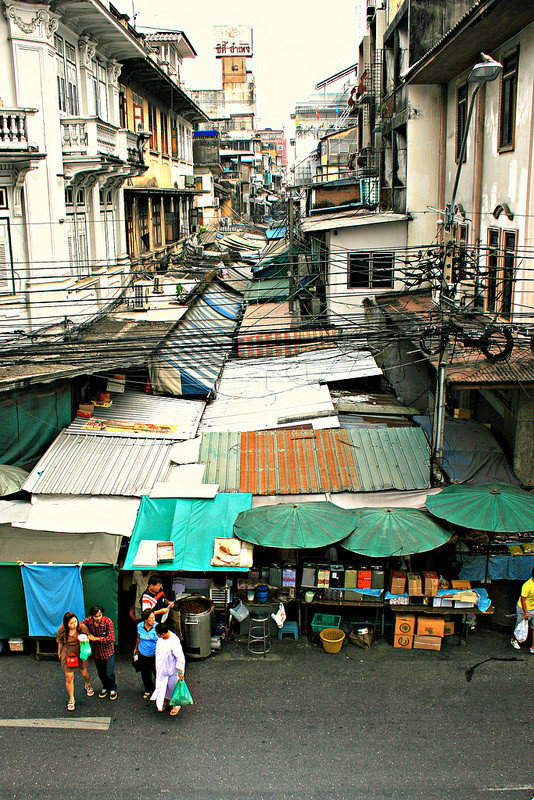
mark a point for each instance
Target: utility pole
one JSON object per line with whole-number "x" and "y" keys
{"x": 291, "y": 272}
{"x": 481, "y": 73}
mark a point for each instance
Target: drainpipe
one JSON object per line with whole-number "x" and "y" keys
{"x": 478, "y": 164}
{"x": 442, "y": 151}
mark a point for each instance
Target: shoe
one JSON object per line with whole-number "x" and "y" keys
{"x": 89, "y": 691}
{"x": 146, "y": 695}
{"x": 113, "y": 694}
{"x": 71, "y": 705}
{"x": 532, "y": 651}
{"x": 515, "y": 644}
{"x": 103, "y": 693}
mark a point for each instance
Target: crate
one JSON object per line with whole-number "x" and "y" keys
{"x": 322, "y": 621}
{"x": 16, "y": 645}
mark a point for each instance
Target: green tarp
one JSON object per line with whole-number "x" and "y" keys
{"x": 100, "y": 586}
{"x": 30, "y": 421}
{"x": 191, "y": 525}
{"x": 384, "y": 532}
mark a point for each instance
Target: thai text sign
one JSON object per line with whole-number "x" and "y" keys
{"x": 233, "y": 40}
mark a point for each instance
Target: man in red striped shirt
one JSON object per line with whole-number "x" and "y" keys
{"x": 154, "y": 599}
{"x": 102, "y": 638}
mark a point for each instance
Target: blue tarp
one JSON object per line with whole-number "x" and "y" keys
{"x": 51, "y": 590}
{"x": 191, "y": 525}
{"x": 500, "y": 568}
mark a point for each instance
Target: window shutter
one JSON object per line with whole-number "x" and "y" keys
{"x": 5, "y": 258}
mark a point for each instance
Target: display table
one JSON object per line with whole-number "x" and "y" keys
{"x": 338, "y": 606}
{"x": 499, "y": 568}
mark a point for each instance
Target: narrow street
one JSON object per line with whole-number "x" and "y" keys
{"x": 383, "y": 724}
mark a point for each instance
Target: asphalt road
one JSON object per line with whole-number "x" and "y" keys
{"x": 297, "y": 725}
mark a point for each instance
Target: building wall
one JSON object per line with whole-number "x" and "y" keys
{"x": 344, "y": 305}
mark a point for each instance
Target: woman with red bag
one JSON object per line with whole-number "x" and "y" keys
{"x": 68, "y": 652}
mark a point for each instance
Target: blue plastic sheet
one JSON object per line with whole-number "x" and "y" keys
{"x": 51, "y": 590}
{"x": 500, "y": 568}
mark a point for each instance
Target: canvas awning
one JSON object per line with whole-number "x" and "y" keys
{"x": 18, "y": 544}
{"x": 191, "y": 525}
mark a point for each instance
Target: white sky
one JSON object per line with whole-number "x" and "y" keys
{"x": 297, "y": 43}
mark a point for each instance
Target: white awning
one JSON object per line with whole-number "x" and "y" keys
{"x": 78, "y": 514}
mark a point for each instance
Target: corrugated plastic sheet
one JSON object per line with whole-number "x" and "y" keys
{"x": 314, "y": 462}
{"x": 99, "y": 465}
{"x": 191, "y": 359}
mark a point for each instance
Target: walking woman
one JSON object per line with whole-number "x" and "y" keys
{"x": 68, "y": 651}
{"x": 170, "y": 666}
{"x": 145, "y": 648}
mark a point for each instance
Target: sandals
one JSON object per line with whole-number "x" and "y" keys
{"x": 175, "y": 710}
{"x": 71, "y": 705}
{"x": 146, "y": 695}
{"x": 89, "y": 691}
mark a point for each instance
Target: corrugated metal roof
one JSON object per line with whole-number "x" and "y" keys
{"x": 191, "y": 359}
{"x": 315, "y": 462}
{"x": 100, "y": 465}
{"x": 271, "y": 289}
{"x": 254, "y": 394}
{"x": 350, "y": 219}
{"x": 183, "y": 416}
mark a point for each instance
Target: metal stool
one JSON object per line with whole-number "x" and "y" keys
{"x": 259, "y": 635}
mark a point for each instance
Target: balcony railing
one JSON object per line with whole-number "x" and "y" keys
{"x": 13, "y": 129}
{"x": 88, "y": 136}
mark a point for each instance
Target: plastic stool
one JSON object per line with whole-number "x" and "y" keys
{"x": 289, "y": 626}
{"x": 259, "y": 635}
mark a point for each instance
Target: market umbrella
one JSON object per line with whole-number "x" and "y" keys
{"x": 11, "y": 479}
{"x": 294, "y": 525}
{"x": 495, "y": 507}
{"x": 383, "y": 532}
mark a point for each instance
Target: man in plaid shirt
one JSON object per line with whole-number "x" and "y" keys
{"x": 102, "y": 640}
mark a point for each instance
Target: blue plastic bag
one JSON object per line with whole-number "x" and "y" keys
{"x": 181, "y": 695}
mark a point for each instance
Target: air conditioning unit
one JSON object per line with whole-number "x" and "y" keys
{"x": 140, "y": 298}
{"x": 157, "y": 288}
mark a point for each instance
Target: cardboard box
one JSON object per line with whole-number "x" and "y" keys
{"x": 427, "y": 642}
{"x": 405, "y": 623}
{"x": 352, "y": 595}
{"x": 462, "y": 413}
{"x": 441, "y": 602}
{"x": 415, "y": 584}
{"x": 461, "y": 584}
{"x": 430, "y": 626}
{"x": 378, "y": 579}
{"x": 403, "y": 640}
{"x": 449, "y": 628}
{"x": 397, "y": 584}
{"x": 16, "y": 645}
{"x": 430, "y": 584}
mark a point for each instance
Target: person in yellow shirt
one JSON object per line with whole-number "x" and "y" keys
{"x": 525, "y": 610}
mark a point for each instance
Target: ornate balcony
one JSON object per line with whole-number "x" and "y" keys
{"x": 88, "y": 136}
{"x": 13, "y": 129}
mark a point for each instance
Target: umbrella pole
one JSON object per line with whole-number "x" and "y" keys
{"x": 487, "y": 561}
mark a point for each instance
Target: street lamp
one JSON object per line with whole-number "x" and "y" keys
{"x": 483, "y": 72}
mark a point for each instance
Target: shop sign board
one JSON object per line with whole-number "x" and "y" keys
{"x": 233, "y": 41}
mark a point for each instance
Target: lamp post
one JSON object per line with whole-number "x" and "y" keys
{"x": 483, "y": 72}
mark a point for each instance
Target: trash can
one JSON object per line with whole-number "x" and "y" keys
{"x": 197, "y": 625}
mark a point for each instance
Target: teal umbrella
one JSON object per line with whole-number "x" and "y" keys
{"x": 495, "y": 507}
{"x": 11, "y": 479}
{"x": 294, "y": 525}
{"x": 383, "y": 532}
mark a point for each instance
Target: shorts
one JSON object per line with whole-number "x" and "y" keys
{"x": 521, "y": 616}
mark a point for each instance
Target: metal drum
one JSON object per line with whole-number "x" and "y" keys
{"x": 197, "y": 624}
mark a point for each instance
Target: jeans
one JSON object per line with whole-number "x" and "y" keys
{"x": 106, "y": 672}
{"x": 148, "y": 671}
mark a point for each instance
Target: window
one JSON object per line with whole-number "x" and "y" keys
{"x": 156, "y": 222}
{"x": 508, "y": 101}
{"x": 181, "y": 142}
{"x": 172, "y": 222}
{"x": 153, "y": 126}
{"x": 492, "y": 270}
{"x": 164, "y": 121}
{"x": 107, "y": 219}
{"x": 67, "y": 77}
{"x": 123, "y": 107}
{"x": 3, "y": 197}
{"x": 139, "y": 119}
{"x": 174, "y": 138}
{"x": 370, "y": 270}
{"x": 508, "y": 271}
{"x": 144, "y": 236}
{"x": 69, "y": 197}
{"x": 100, "y": 90}
{"x": 461, "y": 118}
{"x": 7, "y": 278}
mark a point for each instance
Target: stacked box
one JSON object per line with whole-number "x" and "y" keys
{"x": 426, "y": 642}
{"x": 405, "y": 623}
{"x": 364, "y": 579}
{"x": 415, "y": 584}
{"x": 403, "y": 640}
{"x": 431, "y": 626}
{"x": 430, "y": 584}
{"x": 397, "y": 583}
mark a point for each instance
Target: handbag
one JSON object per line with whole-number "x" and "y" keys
{"x": 181, "y": 695}
{"x": 73, "y": 661}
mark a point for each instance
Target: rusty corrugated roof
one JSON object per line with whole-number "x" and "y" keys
{"x": 288, "y": 461}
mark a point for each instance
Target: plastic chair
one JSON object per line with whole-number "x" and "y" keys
{"x": 259, "y": 635}
{"x": 289, "y": 626}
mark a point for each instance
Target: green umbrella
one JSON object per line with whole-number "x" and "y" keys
{"x": 294, "y": 525}
{"x": 383, "y": 532}
{"x": 495, "y": 507}
{"x": 11, "y": 479}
